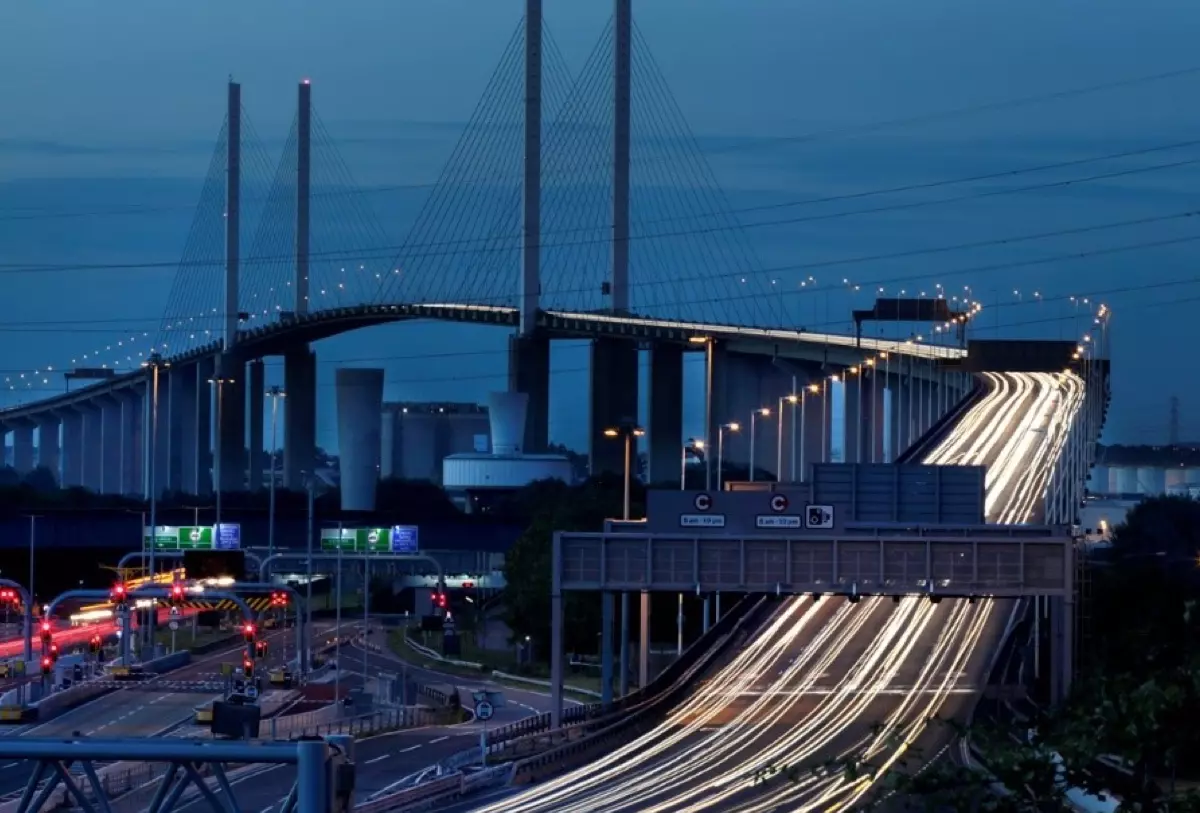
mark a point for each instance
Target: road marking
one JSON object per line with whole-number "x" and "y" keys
{"x": 409, "y": 748}
{"x": 439, "y": 739}
{"x": 377, "y": 759}
{"x": 11, "y": 765}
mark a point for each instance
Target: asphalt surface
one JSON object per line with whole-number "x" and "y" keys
{"x": 137, "y": 713}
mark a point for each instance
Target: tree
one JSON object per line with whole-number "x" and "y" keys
{"x": 41, "y": 480}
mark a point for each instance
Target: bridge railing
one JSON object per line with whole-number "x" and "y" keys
{"x": 934, "y": 434}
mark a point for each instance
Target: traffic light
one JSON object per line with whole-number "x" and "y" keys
{"x": 177, "y": 593}
{"x": 47, "y": 665}
{"x": 441, "y": 600}
{"x": 248, "y": 632}
{"x": 468, "y": 585}
{"x": 260, "y": 649}
{"x": 248, "y": 667}
{"x": 53, "y": 652}
{"x": 47, "y": 632}
{"x": 118, "y": 594}
{"x": 279, "y": 599}
{"x": 95, "y": 644}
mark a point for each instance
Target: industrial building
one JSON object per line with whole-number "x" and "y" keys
{"x": 416, "y": 437}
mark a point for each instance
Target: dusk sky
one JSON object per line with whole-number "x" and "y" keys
{"x": 111, "y": 111}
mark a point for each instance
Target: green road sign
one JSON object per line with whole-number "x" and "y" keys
{"x": 170, "y": 537}
{"x": 357, "y": 540}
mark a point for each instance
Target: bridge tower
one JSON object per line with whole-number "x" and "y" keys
{"x": 614, "y": 362}
{"x": 300, "y": 363}
{"x": 529, "y": 350}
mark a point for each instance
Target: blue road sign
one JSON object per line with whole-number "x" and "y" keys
{"x": 228, "y": 536}
{"x": 404, "y": 539}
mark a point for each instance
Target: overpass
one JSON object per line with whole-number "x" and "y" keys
{"x": 230, "y": 309}
{"x": 922, "y": 600}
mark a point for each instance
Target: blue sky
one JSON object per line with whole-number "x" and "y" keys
{"x": 119, "y": 104}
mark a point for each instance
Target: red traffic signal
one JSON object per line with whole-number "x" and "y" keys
{"x": 118, "y": 593}
{"x": 468, "y": 585}
{"x": 279, "y": 599}
{"x": 260, "y": 648}
{"x": 249, "y": 631}
{"x": 47, "y": 631}
{"x": 248, "y": 667}
{"x": 47, "y": 665}
{"x": 95, "y": 644}
{"x": 177, "y": 593}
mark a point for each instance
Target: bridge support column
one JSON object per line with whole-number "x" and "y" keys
{"x": 72, "y": 448}
{"x": 644, "y": 643}
{"x": 177, "y": 426}
{"x": 201, "y": 438}
{"x": 529, "y": 372}
{"x": 899, "y": 388}
{"x": 614, "y": 401}
{"x": 666, "y": 413}
{"x": 48, "y": 446}
{"x": 816, "y": 421}
{"x": 256, "y": 394}
{"x": 864, "y": 417}
{"x": 133, "y": 442}
{"x": 231, "y": 431}
{"x": 607, "y": 601}
{"x": 359, "y": 416}
{"x": 93, "y": 448}
{"x": 23, "y": 448}
{"x": 751, "y": 384}
{"x": 111, "y": 436}
{"x": 300, "y": 416}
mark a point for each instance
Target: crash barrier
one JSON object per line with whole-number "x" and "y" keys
{"x": 498, "y": 675}
{"x": 438, "y": 791}
{"x": 525, "y": 736}
{"x": 917, "y": 451}
{"x": 565, "y": 756}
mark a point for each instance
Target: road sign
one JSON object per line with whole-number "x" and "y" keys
{"x": 174, "y": 612}
{"x": 227, "y": 536}
{"x": 818, "y": 517}
{"x": 251, "y": 692}
{"x": 776, "y": 521}
{"x": 483, "y": 710}
{"x": 173, "y": 624}
{"x": 779, "y": 503}
{"x": 702, "y": 520}
{"x": 703, "y": 502}
{"x": 404, "y": 538}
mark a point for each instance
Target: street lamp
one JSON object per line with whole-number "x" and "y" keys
{"x": 153, "y": 363}
{"x": 732, "y": 427}
{"x": 811, "y": 389}
{"x": 217, "y": 467}
{"x": 275, "y": 394}
{"x": 692, "y": 443}
{"x": 629, "y": 432}
{"x": 825, "y": 417}
{"x": 754, "y": 416}
{"x": 785, "y": 399}
{"x": 707, "y": 341}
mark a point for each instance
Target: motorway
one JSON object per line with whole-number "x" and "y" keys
{"x": 824, "y": 680}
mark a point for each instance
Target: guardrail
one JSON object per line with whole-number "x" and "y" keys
{"x": 917, "y": 451}
{"x": 570, "y": 740}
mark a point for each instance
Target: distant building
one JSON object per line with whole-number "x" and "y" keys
{"x": 1146, "y": 471}
{"x": 417, "y": 437}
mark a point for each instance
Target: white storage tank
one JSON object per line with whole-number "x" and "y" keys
{"x": 1151, "y": 481}
{"x": 1175, "y": 480}
{"x": 1125, "y": 480}
{"x": 1191, "y": 477}
{"x": 1098, "y": 480}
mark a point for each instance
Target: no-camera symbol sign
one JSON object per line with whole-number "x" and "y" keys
{"x": 703, "y": 502}
{"x": 779, "y": 503}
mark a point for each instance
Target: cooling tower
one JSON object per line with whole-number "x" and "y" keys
{"x": 506, "y": 410}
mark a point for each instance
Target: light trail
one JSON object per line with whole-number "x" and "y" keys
{"x": 783, "y": 711}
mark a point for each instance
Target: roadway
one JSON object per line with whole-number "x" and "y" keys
{"x": 824, "y": 681}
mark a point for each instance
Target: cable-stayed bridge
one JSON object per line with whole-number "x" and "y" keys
{"x": 570, "y": 208}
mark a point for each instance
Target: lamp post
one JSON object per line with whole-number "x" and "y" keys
{"x": 825, "y": 417}
{"x": 754, "y": 416}
{"x": 628, "y": 432}
{"x": 811, "y": 389}
{"x": 692, "y": 443}
{"x": 708, "y": 403}
{"x": 275, "y": 394}
{"x": 785, "y": 399}
{"x": 219, "y": 383}
{"x": 154, "y": 363}
{"x": 732, "y": 427}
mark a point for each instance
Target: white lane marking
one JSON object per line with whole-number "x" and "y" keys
{"x": 439, "y": 739}
{"x": 377, "y": 759}
{"x": 409, "y": 748}
{"x": 11, "y": 765}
